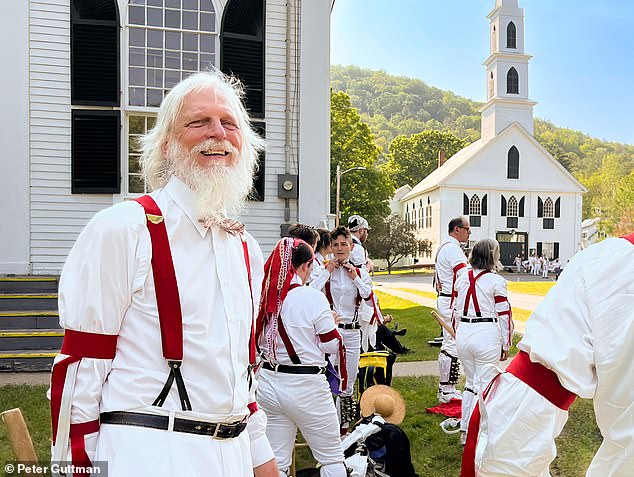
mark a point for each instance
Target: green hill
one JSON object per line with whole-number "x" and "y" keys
{"x": 398, "y": 105}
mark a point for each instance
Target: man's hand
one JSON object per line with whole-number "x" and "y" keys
{"x": 268, "y": 469}
{"x": 504, "y": 355}
{"x": 387, "y": 318}
{"x": 336, "y": 316}
{"x": 332, "y": 265}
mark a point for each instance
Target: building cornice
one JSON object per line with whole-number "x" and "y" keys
{"x": 498, "y": 55}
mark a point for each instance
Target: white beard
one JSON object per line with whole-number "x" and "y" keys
{"x": 220, "y": 188}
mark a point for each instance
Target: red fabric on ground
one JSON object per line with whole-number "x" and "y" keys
{"x": 452, "y": 408}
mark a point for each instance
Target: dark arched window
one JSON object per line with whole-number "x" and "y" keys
{"x": 94, "y": 47}
{"x": 242, "y": 49}
{"x": 512, "y": 82}
{"x": 511, "y": 36}
{"x": 513, "y": 169}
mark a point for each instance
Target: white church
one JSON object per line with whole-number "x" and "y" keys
{"x": 506, "y": 183}
{"x": 83, "y": 79}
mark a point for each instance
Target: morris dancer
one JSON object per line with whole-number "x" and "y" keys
{"x": 450, "y": 263}
{"x": 578, "y": 342}
{"x": 157, "y": 296}
{"x": 484, "y": 323}
{"x": 345, "y": 289}
{"x": 319, "y": 275}
{"x": 295, "y": 328}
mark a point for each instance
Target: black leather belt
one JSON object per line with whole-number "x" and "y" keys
{"x": 479, "y": 320}
{"x": 349, "y": 326}
{"x": 217, "y": 430}
{"x": 293, "y": 369}
{"x": 447, "y": 295}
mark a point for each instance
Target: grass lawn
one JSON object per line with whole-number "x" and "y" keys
{"x": 434, "y": 453}
{"x": 530, "y": 288}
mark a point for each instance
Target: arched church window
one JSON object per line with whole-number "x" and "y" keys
{"x": 513, "y": 164}
{"x": 512, "y": 82}
{"x": 475, "y": 211}
{"x": 511, "y": 35}
{"x": 512, "y": 212}
{"x": 494, "y": 40}
{"x": 549, "y": 208}
{"x": 491, "y": 85}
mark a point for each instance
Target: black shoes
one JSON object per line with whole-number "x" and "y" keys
{"x": 401, "y": 332}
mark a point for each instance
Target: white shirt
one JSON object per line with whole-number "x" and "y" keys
{"x": 583, "y": 331}
{"x": 344, "y": 291}
{"x": 448, "y": 257}
{"x": 305, "y": 314}
{"x": 318, "y": 275}
{"x": 357, "y": 254}
{"x": 488, "y": 286}
{"x": 107, "y": 287}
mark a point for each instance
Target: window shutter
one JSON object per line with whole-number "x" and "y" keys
{"x": 94, "y": 47}
{"x": 257, "y": 193}
{"x": 503, "y": 206}
{"x": 242, "y": 49}
{"x": 95, "y": 150}
{"x": 540, "y": 207}
{"x": 521, "y": 207}
{"x": 556, "y": 250}
{"x": 465, "y": 202}
{"x": 539, "y": 248}
{"x": 558, "y": 207}
{"x": 484, "y": 205}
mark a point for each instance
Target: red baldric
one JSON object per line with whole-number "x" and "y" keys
{"x": 290, "y": 349}
{"x": 343, "y": 370}
{"x": 471, "y": 293}
{"x": 629, "y": 238}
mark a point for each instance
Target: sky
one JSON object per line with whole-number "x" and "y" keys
{"x": 581, "y": 73}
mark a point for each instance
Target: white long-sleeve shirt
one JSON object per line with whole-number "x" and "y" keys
{"x": 305, "y": 314}
{"x": 319, "y": 275}
{"x": 488, "y": 287}
{"x": 449, "y": 257}
{"x": 107, "y": 287}
{"x": 584, "y": 332}
{"x": 344, "y": 291}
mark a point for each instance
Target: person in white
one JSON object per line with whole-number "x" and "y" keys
{"x": 483, "y": 321}
{"x": 297, "y": 329}
{"x": 319, "y": 275}
{"x": 578, "y": 342}
{"x": 450, "y": 264}
{"x": 545, "y": 266}
{"x": 112, "y": 390}
{"x": 518, "y": 263}
{"x": 345, "y": 289}
{"x": 359, "y": 229}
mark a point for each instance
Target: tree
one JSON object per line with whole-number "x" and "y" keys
{"x": 352, "y": 145}
{"x": 412, "y": 158}
{"x": 392, "y": 239}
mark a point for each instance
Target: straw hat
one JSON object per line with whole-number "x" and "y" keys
{"x": 383, "y": 400}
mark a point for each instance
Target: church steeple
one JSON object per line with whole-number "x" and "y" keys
{"x": 506, "y": 72}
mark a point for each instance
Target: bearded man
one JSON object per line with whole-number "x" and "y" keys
{"x": 157, "y": 300}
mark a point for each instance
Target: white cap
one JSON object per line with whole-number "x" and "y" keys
{"x": 356, "y": 222}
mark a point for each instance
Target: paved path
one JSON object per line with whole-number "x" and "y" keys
{"x": 394, "y": 285}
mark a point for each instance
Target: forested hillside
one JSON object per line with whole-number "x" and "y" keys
{"x": 394, "y": 106}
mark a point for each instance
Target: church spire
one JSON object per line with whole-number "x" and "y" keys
{"x": 507, "y": 72}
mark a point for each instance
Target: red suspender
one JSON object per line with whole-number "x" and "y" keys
{"x": 252, "y": 352}
{"x": 629, "y": 238}
{"x": 472, "y": 293}
{"x": 167, "y": 298}
{"x": 454, "y": 293}
{"x": 290, "y": 349}
{"x": 535, "y": 375}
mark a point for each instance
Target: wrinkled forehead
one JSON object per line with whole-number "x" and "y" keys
{"x": 206, "y": 101}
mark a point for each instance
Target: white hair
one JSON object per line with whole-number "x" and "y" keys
{"x": 153, "y": 161}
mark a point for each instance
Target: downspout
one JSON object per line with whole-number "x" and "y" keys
{"x": 287, "y": 108}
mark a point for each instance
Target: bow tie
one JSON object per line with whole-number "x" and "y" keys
{"x": 232, "y": 227}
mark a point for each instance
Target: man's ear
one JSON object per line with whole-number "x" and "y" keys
{"x": 165, "y": 147}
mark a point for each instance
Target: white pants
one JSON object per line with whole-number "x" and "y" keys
{"x": 141, "y": 451}
{"x": 478, "y": 344}
{"x": 303, "y": 401}
{"x": 448, "y": 344}
{"x": 352, "y": 342}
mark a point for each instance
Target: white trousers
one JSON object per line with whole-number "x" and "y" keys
{"x": 140, "y": 451}
{"x": 303, "y": 401}
{"x": 478, "y": 344}
{"x": 352, "y": 342}
{"x": 448, "y": 345}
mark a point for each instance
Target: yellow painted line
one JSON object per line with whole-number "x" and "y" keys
{"x": 28, "y": 296}
{"x": 28, "y": 355}
{"x": 28, "y": 279}
{"x": 18, "y": 334}
{"x": 28, "y": 313}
